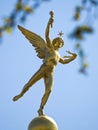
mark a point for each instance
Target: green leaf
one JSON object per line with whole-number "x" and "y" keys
{"x": 8, "y": 29}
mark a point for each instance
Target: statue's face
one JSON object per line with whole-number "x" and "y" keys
{"x": 57, "y": 45}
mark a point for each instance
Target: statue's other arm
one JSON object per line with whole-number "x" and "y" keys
{"x": 69, "y": 58}
{"x": 49, "y": 25}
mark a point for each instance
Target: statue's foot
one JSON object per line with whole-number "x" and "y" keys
{"x": 40, "y": 112}
{"x": 17, "y": 97}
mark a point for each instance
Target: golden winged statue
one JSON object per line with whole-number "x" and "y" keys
{"x": 48, "y": 51}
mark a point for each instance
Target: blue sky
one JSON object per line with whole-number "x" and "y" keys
{"x": 73, "y": 103}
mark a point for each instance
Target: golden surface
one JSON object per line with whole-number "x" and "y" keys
{"x": 48, "y": 51}
{"x": 42, "y": 123}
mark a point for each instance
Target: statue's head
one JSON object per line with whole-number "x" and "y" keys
{"x": 57, "y": 43}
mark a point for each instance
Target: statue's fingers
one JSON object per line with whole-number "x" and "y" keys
{"x": 68, "y": 52}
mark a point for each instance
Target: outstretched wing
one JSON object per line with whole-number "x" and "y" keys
{"x": 36, "y": 41}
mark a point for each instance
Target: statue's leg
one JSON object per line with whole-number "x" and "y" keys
{"x": 37, "y": 76}
{"x": 48, "y": 87}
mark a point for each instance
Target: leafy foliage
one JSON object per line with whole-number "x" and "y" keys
{"x": 22, "y": 9}
{"x": 84, "y": 26}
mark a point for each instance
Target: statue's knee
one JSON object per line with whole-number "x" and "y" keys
{"x": 48, "y": 92}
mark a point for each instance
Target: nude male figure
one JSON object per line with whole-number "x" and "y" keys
{"x": 48, "y": 51}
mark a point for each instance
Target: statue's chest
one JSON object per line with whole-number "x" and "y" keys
{"x": 53, "y": 56}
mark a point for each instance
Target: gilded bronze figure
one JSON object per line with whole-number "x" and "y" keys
{"x": 48, "y": 51}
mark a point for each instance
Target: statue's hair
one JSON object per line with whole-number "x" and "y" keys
{"x": 58, "y": 39}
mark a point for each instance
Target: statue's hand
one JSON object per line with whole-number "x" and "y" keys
{"x": 73, "y": 54}
{"x": 51, "y": 20}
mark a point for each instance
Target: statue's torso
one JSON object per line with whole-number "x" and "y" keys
{"x": 52, "y": 57}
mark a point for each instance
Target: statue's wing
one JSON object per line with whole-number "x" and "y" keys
{"x": 36, "y": 41}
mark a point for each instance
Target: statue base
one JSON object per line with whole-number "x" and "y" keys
{"x": 42, "y": 123}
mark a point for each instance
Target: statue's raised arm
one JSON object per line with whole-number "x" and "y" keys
{"x": 49, "y": 25}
